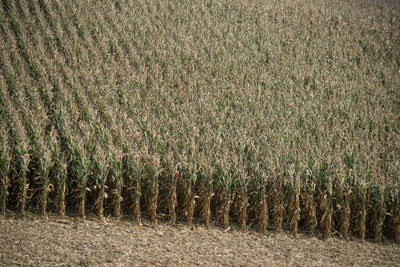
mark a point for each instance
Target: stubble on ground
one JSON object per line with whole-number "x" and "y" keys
{"x": 109, "y": 242}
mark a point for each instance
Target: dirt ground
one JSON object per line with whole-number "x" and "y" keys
{"x": 73, "y": 242}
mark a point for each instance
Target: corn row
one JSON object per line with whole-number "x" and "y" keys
{"x": 225, "y": 112}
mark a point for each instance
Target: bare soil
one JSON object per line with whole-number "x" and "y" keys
{"x": 74, "y": 242}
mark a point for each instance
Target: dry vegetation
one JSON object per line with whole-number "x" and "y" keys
{"x": 90, "y": 242}
{"x": 269, "y": 114}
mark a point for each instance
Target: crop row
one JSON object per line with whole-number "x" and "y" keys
{"x": 271, "y": 115}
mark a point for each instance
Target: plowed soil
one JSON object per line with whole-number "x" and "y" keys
{"x": 73, "y": 242}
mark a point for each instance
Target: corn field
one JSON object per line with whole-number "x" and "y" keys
{"x": 265, "y": 114}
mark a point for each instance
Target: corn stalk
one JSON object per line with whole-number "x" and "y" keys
{"x": 324, "y": 190}
{"x": 309, "y": 212}
{"x": 278, "y": 207}
{"x": 153, "y": 170}
{"x": 136, "y": 187}
{"x": 5, "y": 157}
{"x": 392, "y": 195}
{"x": 376, "y": 210}
{"x": 341, "y": 206}
{"x": 80, "y": 168}
{"x": 293, "y": 208}
{"x": 358, "y": 209}
{"x": 100, "y": 169}
{"x": 263, "y": 211}
{"x": 22, "y": 162}
{"x": 206, "y": 191}
{"x": 225, "y": 187}
{"x": 189, "y": 178}
{"x": 45, "y": 162}
{"x": 243, "y": 198}
{"x": 116, "y": 176}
